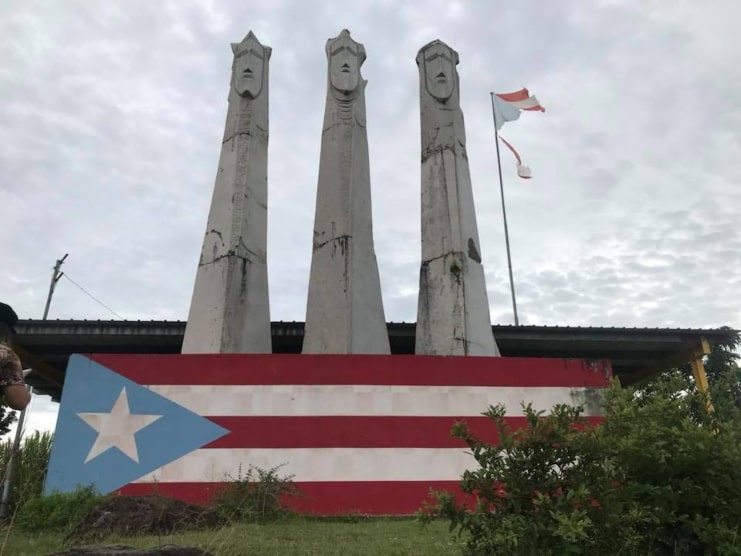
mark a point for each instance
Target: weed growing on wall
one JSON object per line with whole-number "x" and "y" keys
{"x": 256, "y": 495}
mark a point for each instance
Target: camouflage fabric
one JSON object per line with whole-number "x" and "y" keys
{"x": 11, "y": 371}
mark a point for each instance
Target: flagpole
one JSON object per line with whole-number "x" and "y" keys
{"x": 504, "y": 212}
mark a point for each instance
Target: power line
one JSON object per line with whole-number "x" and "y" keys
{"x": 92, "y": 296}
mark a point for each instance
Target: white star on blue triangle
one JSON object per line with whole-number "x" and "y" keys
{"x": 91, "y": 389}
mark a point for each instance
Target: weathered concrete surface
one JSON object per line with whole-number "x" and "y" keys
{"x": 344, "y": 311}
{"x": 453, "y": 308}
{"x": 230, "y": 311}
{"x": 125, "y": 550}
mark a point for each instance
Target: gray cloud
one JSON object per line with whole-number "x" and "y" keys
{"x": 113, "y": 113}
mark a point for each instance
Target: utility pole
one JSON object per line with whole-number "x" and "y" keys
{"x": 57, "y": 274}
{"x": 8, "y": 479}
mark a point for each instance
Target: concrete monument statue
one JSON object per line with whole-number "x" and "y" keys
{"x": 344, "y": 312}
{"x": 229, "y": 311}
{"x": 453, "y": 309}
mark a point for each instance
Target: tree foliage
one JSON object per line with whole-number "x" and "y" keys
{"x": 7, "y": 418}
{"x": 660, "y": 475}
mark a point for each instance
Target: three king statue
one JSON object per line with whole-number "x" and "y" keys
{"x": 229, "y": 310}
{"x": 453, "y": 308}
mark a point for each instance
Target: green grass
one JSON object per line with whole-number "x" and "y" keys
{"x": 30, "y": 466}
{"x": 291, "y": 536}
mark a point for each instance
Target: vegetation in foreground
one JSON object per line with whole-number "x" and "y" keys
{"x": 285, "y": 536}
{"x": 29, "y": 467}
{"x": 661, "y": 475}
{"x": 247, "y": 518}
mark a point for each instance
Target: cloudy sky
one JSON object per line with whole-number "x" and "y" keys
{"x": 111, "y": 116}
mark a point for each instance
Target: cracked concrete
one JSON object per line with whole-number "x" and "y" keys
{"x": 453, "y": 309}
{"x": 230, "y": 310}
{"x": 341, "y": 239}
{"x": 344, "y": 309}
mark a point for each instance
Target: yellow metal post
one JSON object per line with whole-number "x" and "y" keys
{"x": 698, "y": 370}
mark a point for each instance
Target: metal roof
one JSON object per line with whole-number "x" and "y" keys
{"x": 635, "y": 353}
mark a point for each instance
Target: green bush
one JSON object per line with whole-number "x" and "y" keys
{"x": 29, "y": 467}
{"x": 661, "y": 475}
{"x": 57, "y": 511}
{"x": 7, "y": 418}
{"x": 255, "y": 496}
{"x": 682, "y": 464}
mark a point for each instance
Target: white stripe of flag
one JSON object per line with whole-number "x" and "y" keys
{"x": 360, "y": 399}
{"x": 318, "y": 464}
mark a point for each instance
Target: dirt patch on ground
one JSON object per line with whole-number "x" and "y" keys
{"x": 142, "y": 515}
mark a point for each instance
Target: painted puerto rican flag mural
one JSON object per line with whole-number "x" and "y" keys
{"x": 359, "y": 434}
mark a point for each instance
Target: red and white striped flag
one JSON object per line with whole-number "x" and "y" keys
{"x": 359, "y": 433}
{"x": 507, "y": 108}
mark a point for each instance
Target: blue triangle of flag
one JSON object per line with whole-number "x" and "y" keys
{"x": 111, "y": 431}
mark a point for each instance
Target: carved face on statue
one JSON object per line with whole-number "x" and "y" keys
{"x": 440, "y": 74}
{"x": 250, "y": 58}
{"x": 345, "y": 58}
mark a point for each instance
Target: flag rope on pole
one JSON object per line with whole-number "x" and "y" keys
{"x": 504, "y": 213}
{"x": 506, "y": 107}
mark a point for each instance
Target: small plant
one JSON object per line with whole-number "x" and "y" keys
{"x": 255, "y": 495}
{"x": 29, "y": 467}
{"x": 57, "y": 511}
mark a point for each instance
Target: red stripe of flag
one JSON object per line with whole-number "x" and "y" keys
{"x": 522, "y": 94}
{"x": 393, "y": 370}
{"x": 355, "y": 432}
{"x": 522, "y": 100}
{"x": 321, "y": 498}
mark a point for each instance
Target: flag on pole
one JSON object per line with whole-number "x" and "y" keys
{"x": 507, "y": 106}
{"x": 365, "y": 434}
{"x": 522, "y": 171}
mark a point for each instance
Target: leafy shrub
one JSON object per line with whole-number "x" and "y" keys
{"x": 29, "y": 467}
{"x": 682, "y": 464}
{"x": 57, "y": 511}
{"x": 540, "y": 491}
{"x": 661, "y": 475}
{"x": 254, "y": 496}
{"x": 7, "y": 418}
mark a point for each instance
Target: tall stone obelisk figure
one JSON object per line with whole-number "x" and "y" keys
{"x": 229, "y": 311}
{"x": 344, "y": 312}
{"x": 453, "y": 309}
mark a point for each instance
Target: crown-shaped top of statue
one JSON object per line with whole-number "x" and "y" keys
{"x": 344, "y": 40}
{"x": 437, "y": 62}
{"x": 249, "y": 69}
{"x": 437, "y": 44}
{"x": 249, "y": 41}
{"x": 345, "y": 57}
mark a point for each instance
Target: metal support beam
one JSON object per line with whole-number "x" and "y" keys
{"x": 698, "y": 371}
